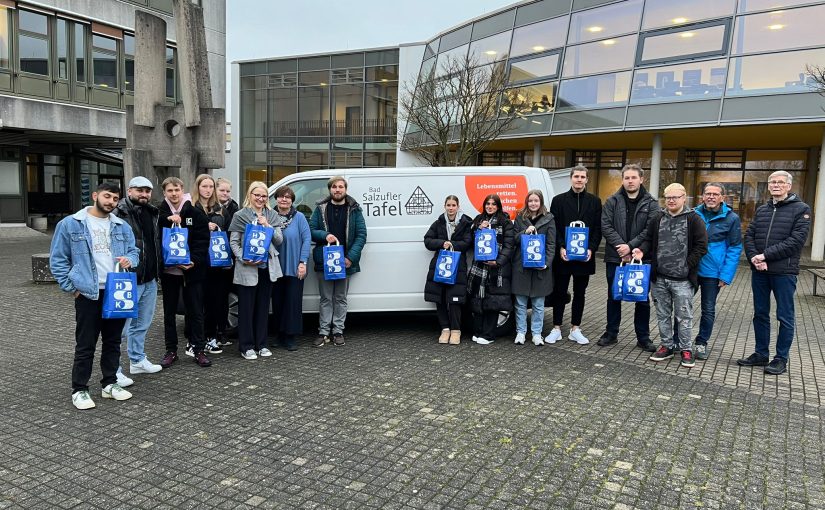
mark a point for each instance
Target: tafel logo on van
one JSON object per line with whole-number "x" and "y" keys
{"x": 377, "y": 202}
{"x": 510, "y": 188}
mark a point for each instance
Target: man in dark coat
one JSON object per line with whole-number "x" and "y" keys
{"x": 624, "y": 224}
{"x": 773, "y": 245}
{"x": 574, "y": 205}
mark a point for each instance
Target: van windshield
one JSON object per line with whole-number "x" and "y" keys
{"x": 307, "y": 193}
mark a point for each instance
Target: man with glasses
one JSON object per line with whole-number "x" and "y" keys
{"x": 773, "y": 245}
{"x": 677, "y": 241}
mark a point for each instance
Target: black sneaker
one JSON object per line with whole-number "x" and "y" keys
{"x": 338, "y": 339}
{"x": 754, "y": 360}
{"x": 702, "y": 351}
{"x": 646, "y": 345}
{"x": 320, "y": 341}
{"x": 169, "y": 358}
{"x": 688, "y": 360}
{"x": 661, "y": 354}
{"x": 202, "y": 360}
{"x": 607, "y": 339}
{"x": 222, "y": 340}
{"x": 291, "y": 346}
{"x": 776, "y": 367}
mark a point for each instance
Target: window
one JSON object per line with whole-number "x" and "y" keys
{"x": 491, "y": 49}
{"x": 607, "y": 21}
{"x": 595, "y": 91}
{"x": 80, "y": 52}
{"x": 779, "y": 30}
{"x": 4, "y": 37}
{"x": 129, "y": 62}
{"x": 545, "y": 66}
{"x": 171, "y": 59}
{"x": 748, "y": 76}
{"x": 347, "y": 109}
{"x": 764, "y": 5}
{"x": 104, "y": 61}
{"x": 313, "y": 78}
{"x": 33, "y": 43}
{"x": 539, "y": 37}
{"x": 531, "y": 100}
{"x": 671, "y": 13}
{"x": 313, "y": 111}
{"x": 381, "y": 109}
{"x": 383, "y": 73}
{"x": 62, "y": 49}
{"x": 449, "y": 60}
{"x": 706, "y": 39}
{"x": 283, "y": 111}
{"x": 494, "y": 24}
{"x": 601, "y": 56}
{"x": 683, "y": 82}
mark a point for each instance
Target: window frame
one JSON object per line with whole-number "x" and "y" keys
{"x": 34, "y": 35}
{"x": 110, "y": 53}
{"x": 727, "y": 23}
{"x": 548, "y": 53}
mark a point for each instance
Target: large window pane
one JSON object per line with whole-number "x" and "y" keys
{"x": 104, "y": 43}
{"x": 539, "y": 37}
{"x": 170, "y": 82}
{"x": 383, "y": 73}
{"x": 684, "y": 82}
{"x": 607, "y": 21}
{"x": 34, "y": 55}
{"x": 381, "y": 109}
{"x": 313, "y": 78}
{"x": 778, "y": 30}
{"x": 62, "y": 49}
{"x": 80, "y": 52}
{"x": 595, "y": 91}
{"x": 4, "y": 38}
{"x": 532, "y": 100}
{"x": 34, "y": 22}
{"x": 253, "y": 114}
{"x": 347, "y": 104}
{"x": 313, "y": 111}
{"x": 598, "y": 57}
{"x": 105, "y": 69}
{"x": 668, "y": 13}
{"x": 764, "y": 5}
{"x": 283, "y": 112}
{"x": 449, "y": 60}
{"x": 490, "y": 49}
{"x": 750, "y": 75}
{"x": 455, "y": 38}
{"x": 534, "y": 68}
{"x": 129, "y": 62}
{"x": 684, "y": 43}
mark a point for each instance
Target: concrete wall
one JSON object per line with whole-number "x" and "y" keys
{"x": 16, "y": 112}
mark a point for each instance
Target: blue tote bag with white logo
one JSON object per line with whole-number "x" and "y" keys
{"x": 175, "y": 241}
{"x": 120, "y": 301}
{"x": 485, "y": 245}
{"x": 636, "y": 283}
{"x": 577, "y": 237}
{"x": 533, "y": 251}
{"x": 334, "y": 266}
{"x": 219, "y": 249}
{"x": 616, "y": 288}
{"x": 446, "y": 267}
{"x": 256, "y": 241}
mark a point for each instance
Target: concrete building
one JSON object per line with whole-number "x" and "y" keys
{"x": 693, "y": 90}
{"x": 67, "y": 74}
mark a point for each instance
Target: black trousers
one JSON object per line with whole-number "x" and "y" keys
{"x": 216, "y": 300}
{"x": 287, "y": 308}
{"x": 89, "y": 325}
{"x": 449, "y": 314}
{"x": 485, "y": 324}
{"x": 253, "y": 312}
{"x": 193, "y": 305}
{"x": 561, "y": 283}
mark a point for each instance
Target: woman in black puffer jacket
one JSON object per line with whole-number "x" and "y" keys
{"x": 451, "y": 231}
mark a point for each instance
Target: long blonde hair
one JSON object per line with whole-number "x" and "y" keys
{"x": 247, "y": 201}
{"x": 525, "y": 211}
{"x": 196, "y": 195}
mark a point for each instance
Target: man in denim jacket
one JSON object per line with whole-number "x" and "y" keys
{"x": 85, "y": 248}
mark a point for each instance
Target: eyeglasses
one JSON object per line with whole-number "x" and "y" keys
{"x": 713, "y": 194}
{"x": 257, "y": 195}
{"x": 673, "y": 199}
{"x": 775, "y": 183}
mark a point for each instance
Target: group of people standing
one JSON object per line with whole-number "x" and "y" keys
{"x": 689, "y": 250}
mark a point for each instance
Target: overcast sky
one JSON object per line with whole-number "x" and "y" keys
{"x": 276, "y": 28}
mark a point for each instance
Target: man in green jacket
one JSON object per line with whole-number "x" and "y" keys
{"x": 337, "y": 219}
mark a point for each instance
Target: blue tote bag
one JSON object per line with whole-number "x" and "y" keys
{"x": 219, "y": 249}
{"x": 636, "y": 283}
{"x": 446, "y": 266}
{"x": 175, "y": 241}
{"x": 334, "y": 266}
{"x": 616, "y": 288}
{"x": 577, "y": 237}
{"x": 533, "y": 248}
{"x": 120, "y": 300}
{"x": 256, "y": 241}
{"x": 486, "y": 247}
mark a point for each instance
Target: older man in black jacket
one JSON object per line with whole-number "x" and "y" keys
{"x": 624, "y": 226}
{"x": 773, "y": 245}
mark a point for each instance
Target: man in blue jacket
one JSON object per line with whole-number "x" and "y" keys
{"x": 773, "y": 246}
{"x": 718, "y": 267}
{"x": 85, "y": 248}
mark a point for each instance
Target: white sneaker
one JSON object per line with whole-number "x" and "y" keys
{"x": 553, "y": 337}
{"x": 122, "y": 379}
{"x": 483, "y": 341}
{"x": 537, "y": 340}
{"x": 249, "y": 354}
{"x": 577, "y": 336}
{"x": 212, "y": 347}
{"x": 82, "y": 400}
{"x": 116, "y": 392}
{"x": 475, "y": 338}
{"x": 520, "y": 338}
{"x": 265, "y": 353}
{"x": 144, "y": 366}
{"x": 190, "y": 351}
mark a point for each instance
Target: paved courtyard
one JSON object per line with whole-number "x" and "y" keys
{"x": 393, "y": 420}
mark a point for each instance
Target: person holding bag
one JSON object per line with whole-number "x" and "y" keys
{"x": 488, "y": 282}
{"x": 533, "y": 284}
{"x": 223, "y": 190}
{"x": 254, "y": 279}
{"x": 451, "y": 231}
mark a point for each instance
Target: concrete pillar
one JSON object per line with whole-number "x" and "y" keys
{"x": 193, "y": 65}
{"x": 818, "y": 241}
{"x": 655, "y": 165}
{"x": 150, "y": 66}
{"x": 537, "y": 153}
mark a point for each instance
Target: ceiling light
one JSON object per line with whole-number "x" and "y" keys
{"x": 323, "y": 84}
{"x": 384, "y": 79}
{"x": 538, "y": 48}
{"x": 679, "y": 21}
{"x": 776, "y": 27}
{"x": 609, "y": 42}
{"x": 492, "y": 53}
{"x": 536, "y": 122}
{"x": 687, "y": 35}
{"x": 595, "y": 29}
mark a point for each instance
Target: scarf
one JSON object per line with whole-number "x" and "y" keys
{"x": 451, "y": 225}
{"x": 287, "y": 218}
{"x": 480, "y": 274}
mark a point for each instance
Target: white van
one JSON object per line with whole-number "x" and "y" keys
{"x": 399, "y": 205}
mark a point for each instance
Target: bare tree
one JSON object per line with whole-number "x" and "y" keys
{"x": 816, "y": 77}
{"x": 457, "y": 108}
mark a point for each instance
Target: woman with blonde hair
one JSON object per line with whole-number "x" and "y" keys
{"x": 254, "y": 279}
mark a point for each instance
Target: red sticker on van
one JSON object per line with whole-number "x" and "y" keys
{"x": 510, "y": 188}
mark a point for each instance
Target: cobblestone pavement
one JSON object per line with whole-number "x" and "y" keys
{"x": 393, "y": 420}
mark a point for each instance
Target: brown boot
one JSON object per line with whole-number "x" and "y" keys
{"x": 445, "y": 336}
{"x": 455, "y": 337}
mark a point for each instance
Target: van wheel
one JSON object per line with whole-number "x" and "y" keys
{"x": 506, "y": 324}
{"x": 232, "y": 317}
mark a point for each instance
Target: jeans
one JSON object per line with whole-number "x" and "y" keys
{"x": 332, "y": 310}
{"x": 709, "y": 287}
{"x": 537, "y": 321}
{"x": 135, "y": 329}
{"x": 90, "y": 325}
{"x": 641, "y": 315}
{"x": 559, "y": 296}
{"x": 783, "y": 287}
{"x": 253, "y": 312}
{"x": 674, "y": 299}
{"x": 193, "y": 303}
